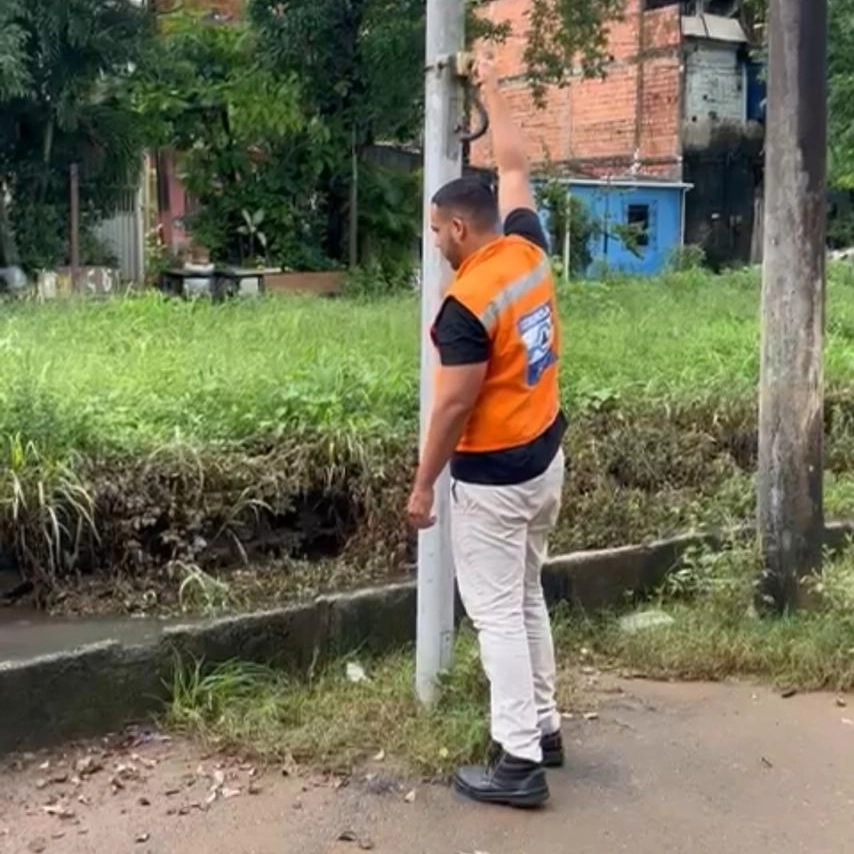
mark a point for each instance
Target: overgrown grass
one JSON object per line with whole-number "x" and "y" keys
{"x": 715, "y": 631}
{"x": 158, "y": 431}
{"x": 331, "y": 723}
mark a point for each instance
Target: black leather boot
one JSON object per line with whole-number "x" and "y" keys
{"x": 505, "y": 780}
{"x": 552, "y": 750}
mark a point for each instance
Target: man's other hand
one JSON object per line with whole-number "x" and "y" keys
{"x": 420, "y": 508}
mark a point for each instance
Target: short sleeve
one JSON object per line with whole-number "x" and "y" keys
{"x": 459, "y": 336}
{"x": 524, "y": 222}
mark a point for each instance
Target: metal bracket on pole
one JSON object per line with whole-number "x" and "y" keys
{"x": 463, "y": 68}
{"x": 462, "y": 65}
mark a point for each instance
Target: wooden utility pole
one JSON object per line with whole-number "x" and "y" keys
{"x": 442, "y": 163}
{"x": 791, "y": 399}
{"x": 74, "y": 248}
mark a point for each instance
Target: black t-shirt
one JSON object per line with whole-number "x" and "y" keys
{"x": 463, "y": 340}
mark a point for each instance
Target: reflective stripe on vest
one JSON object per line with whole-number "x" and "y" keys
{"x": 513, "y": 291}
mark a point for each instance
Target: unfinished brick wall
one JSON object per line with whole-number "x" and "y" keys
{"x": 597, "y": 126}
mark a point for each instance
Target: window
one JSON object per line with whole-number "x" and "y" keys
{"x": 637, "y": 219}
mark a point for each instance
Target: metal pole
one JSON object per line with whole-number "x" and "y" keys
{"x": 791, "y": 397}
{"x": 442, "y": 163}
{"x": 75, "y": 224}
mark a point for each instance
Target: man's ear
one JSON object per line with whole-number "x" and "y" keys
{"x": 459, "y": 228}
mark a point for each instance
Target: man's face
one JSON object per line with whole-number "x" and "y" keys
{"x": 450, "y": 234}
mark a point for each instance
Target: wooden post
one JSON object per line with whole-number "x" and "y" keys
{"x": 75, "y": 224}
{"x": 353, "y": 242}
{"x": 791, "y": 399}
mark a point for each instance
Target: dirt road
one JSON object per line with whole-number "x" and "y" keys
{"x": 665, "y": 768}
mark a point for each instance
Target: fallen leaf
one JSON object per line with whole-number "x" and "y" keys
{"x": 60, "y": 834}
{"x": 767, "y": 762}
{"x": 788, "y": 693}
{"x": 380, "y": 756}
{"x": 59, "y": 810}
{"x": 87, "y": 766}
{"x": 141, "y": 838}
{"x": 230, "y": 793}
{"x": 355, "y": 672}
{"x": 347, "y": 836}
{"x": 410, "y": 797}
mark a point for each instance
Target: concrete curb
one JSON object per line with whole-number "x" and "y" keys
{"x": 100, "y": 687}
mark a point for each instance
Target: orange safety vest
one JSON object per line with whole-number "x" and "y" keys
{"x": 508, "y": 285}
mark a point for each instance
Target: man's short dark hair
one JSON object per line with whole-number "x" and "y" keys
{"x": 470, "y": 198}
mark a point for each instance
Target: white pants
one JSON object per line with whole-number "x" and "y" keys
{"x": 500, "y": 538}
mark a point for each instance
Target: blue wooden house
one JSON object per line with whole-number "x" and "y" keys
{"x": 654, "y": 209}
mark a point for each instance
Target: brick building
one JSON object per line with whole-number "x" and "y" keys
{"x": 681, "y": 101}
{"x": 604, "y": 126}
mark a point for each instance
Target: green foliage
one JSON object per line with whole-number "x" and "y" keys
{"x": 65, "y": 102}
{"x": 840, "y": 84}
{"x": 685, "y": 258}
{"x": 389, "y": 215}
{"x": 566, "y": 35}
{"x": 564, "y": 210}
{"x": 194, "y": 426}
{"x": 14, "y": 75}
{"x": 377, "y": 279}
{"x": 248, "y": 152}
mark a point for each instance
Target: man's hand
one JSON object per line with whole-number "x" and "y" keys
{"x": 486, "y": 71}
{"x": 420, "y": 507}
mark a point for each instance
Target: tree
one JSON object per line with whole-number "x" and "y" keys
{"x": 246, "y": 150}
{"x": 565, "y": 35}
{"x": 361, "y": 63}
{"x": 62, "y": 101}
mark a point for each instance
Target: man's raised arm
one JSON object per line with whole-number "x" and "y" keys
{"x": 508, "y": 144}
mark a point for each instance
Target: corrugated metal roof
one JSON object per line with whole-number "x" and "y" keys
{"x": 714, "y": 27}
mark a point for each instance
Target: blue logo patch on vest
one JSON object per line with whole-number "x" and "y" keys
{"x": 536, "y": 330}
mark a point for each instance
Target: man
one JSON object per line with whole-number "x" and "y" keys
{"x": 496, "y": 419}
